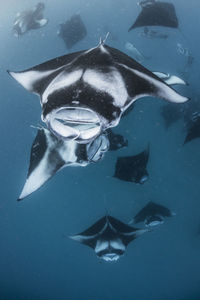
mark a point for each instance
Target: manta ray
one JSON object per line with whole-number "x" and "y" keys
{"x": 133, "y": 168}
{"x": 109, "y": 237}
{"x": 156, "y": 13}
{"x": 82, "y": 94}
{"x": 50, "y": 154}
{"x": 72, "y": 31}
{"x": 152, "y": 214}
{"x": 29, "y": 20}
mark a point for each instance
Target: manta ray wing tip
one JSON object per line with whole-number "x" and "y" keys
{"x": 11, "y": 73}
{"x": 19, "y": 199}
{"x": 183, "y": 99}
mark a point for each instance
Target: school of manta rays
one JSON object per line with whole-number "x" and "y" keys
{"x": 83, "y": 95}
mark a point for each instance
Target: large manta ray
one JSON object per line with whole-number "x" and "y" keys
{"x": 84, "y": 93}
{"x": 156, "y": 13}
{"x": 108, "y": 237}
{"x": 30, "y": 19}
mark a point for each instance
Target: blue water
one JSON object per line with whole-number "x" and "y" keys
{"x": 37, "y": 260}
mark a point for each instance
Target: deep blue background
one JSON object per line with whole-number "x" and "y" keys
{"x": 37, "y": 260}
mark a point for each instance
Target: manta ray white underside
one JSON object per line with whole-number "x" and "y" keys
{"x": 84, "y": 93}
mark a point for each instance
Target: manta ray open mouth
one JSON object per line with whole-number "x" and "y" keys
{"x": 80, "y": 124}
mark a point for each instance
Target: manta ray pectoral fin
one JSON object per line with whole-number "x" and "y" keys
{"x": 86, "y": 240}
{"x": 173, "y": 79}
{"x": 130, "y": 236}
{"x": 136, "y": 233}
{"x": 36, "y": 79}
{"x": 33, "y": 80}
{"x": 170, "y": 79}
{"x": 77, "y": 238}
{"x": 141, "y": 83}
{"x": 45, "y": 161}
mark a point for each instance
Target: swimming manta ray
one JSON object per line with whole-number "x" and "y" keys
{"x": 72, "y": 31}
{"x": 133, "y": 168}
{"x": 84, "y": 93}
{"x": 50, "y": 154}
{"x": 29, "y": 20}
{"x": 108, "y": 237}
{"x": 152, "y": 214}
{"x": 156, "y": 13}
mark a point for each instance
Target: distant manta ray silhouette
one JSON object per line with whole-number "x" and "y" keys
{"x": 156, "y": 13}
